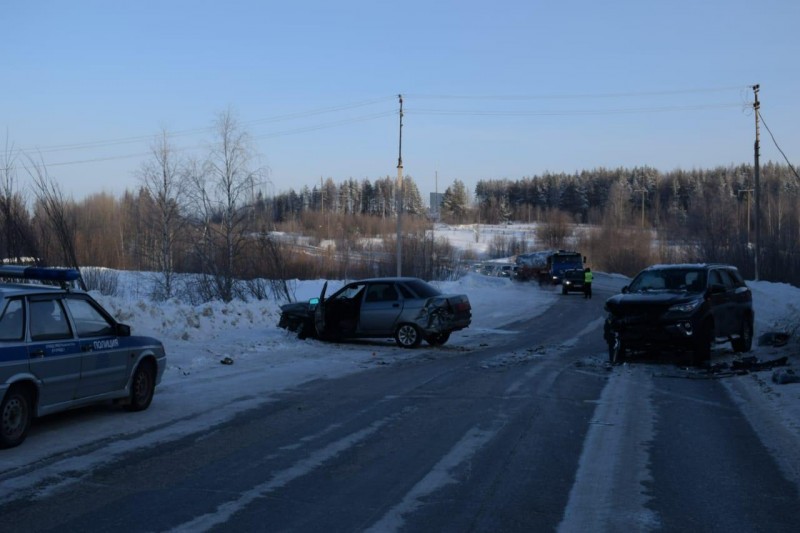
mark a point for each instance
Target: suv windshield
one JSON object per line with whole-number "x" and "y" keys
{"x": 667, "y": 279}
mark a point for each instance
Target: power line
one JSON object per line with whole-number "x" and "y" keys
{"x": 354, "y": 120}
{"x": 581, "y": 96}
{"x": 195, "y": 131}
{"x": 579, "y": 112}
{"x": 776, "y": 143}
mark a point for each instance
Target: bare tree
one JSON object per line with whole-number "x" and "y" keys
{"x": 14, "y": 218}
{"x": 163, "y": 177}
{"x": 60, "y": 218}
{"x": 555, "y": 229}
{"x": 223, "y": 189}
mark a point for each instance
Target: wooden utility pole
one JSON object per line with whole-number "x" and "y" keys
{"x": 643, "y": 191}
{"x": 399, "y": 194}
{"x": 748, "y": 192}
{"x": 757, "y": 184}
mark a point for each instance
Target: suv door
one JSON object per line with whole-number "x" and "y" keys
{"x": 54, "y": 356}
{"x": 105, "y": 364}
{"x": 741, "y": 299}
{"x": 722, "y": 302}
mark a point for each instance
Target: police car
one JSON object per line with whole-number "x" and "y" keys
{"x": 59, "y": 349}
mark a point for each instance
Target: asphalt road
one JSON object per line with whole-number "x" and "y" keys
{"x": 531, "y": 432}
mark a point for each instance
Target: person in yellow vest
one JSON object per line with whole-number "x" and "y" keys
{"x": 587, "y": 283}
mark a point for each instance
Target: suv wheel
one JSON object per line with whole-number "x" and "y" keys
{"x": 745, "y": 340}
{"x": 616, "y": 349}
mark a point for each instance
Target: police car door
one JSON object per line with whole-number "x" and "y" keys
{"x": 104, "y": 362}
{"x": 53, "y": 352}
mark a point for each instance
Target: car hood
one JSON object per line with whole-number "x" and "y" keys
{"x": 648, "y": 300}
{"x": 299, "y": 308}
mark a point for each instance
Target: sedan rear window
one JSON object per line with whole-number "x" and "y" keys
{"x": 421, "y": 289}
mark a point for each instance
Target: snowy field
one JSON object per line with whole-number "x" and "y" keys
{"x": 199, "y": 392}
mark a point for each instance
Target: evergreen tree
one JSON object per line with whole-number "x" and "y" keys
{"x": 455, "y": 202}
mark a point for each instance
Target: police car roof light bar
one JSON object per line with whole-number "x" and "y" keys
{"x": 62, "y": 275}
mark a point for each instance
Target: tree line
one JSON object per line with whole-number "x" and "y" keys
{"x": 212, "y": 216}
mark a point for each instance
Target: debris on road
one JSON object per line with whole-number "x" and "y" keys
{"x": 782, "y": 377}
{"x": 739, "y": 367}
{"x": 774, "y": 338}
{"x": 752, "y": 364}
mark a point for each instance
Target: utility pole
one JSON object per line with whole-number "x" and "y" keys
{"x": 436, "y": 195}
{"x": 399, "y": 193}
{"x": 643, "y": 191}
{"x": 756, "y": 107}
{"x": 748, "y": 192}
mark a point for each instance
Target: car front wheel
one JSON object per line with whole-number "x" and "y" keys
{"x": 745, "y": 340}
{"x": 408, "y": 336}
{"x": 143, "y": 387}
{"x": 17, "y": 414}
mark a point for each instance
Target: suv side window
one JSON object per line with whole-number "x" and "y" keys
{"x": 738, "y": 280}
{"x": 720, "y": 277}
{"x": 48, "y": 320}
{"x": 88, "y": 321}
{"x": 11, "y": 321}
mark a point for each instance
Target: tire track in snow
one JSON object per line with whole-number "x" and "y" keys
{"x": 608, "y": 493}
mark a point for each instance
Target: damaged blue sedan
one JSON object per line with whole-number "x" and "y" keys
{"x": 407, "y": 309}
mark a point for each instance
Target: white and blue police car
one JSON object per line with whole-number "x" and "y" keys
{"x": 59, "y": 349}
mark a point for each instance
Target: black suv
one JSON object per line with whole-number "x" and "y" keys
{"x": 572, "y": 281}
{"x": 689, "y": 306}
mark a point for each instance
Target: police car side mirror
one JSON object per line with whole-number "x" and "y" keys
{"x": 625, "y": 289}
{"x": 122, "y": 330}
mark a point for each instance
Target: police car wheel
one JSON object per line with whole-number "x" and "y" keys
{"x": 143, "y": 386}
{"x": 17, "y": 414}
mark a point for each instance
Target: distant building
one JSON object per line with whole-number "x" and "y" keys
{"x": 437, "y": 198}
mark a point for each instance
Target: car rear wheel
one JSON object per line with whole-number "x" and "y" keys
{"x": 17, "y": 415}
{"x": 616, "y": 349}
{"x": 143, "y": 387}
{"x": 745, "y": 340}
{"x": 408, "y": 336}
{"x": 438, "y": 339}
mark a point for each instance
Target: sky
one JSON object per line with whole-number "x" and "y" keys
{"x": 198, "y": 393}
{"x": 491, "y": 90}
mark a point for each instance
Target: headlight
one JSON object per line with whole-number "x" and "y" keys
{"x": 688, "y": 307}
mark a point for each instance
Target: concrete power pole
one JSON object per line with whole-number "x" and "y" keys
{"x": 399, "y": 193}
{"x": 757, "y": 186}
